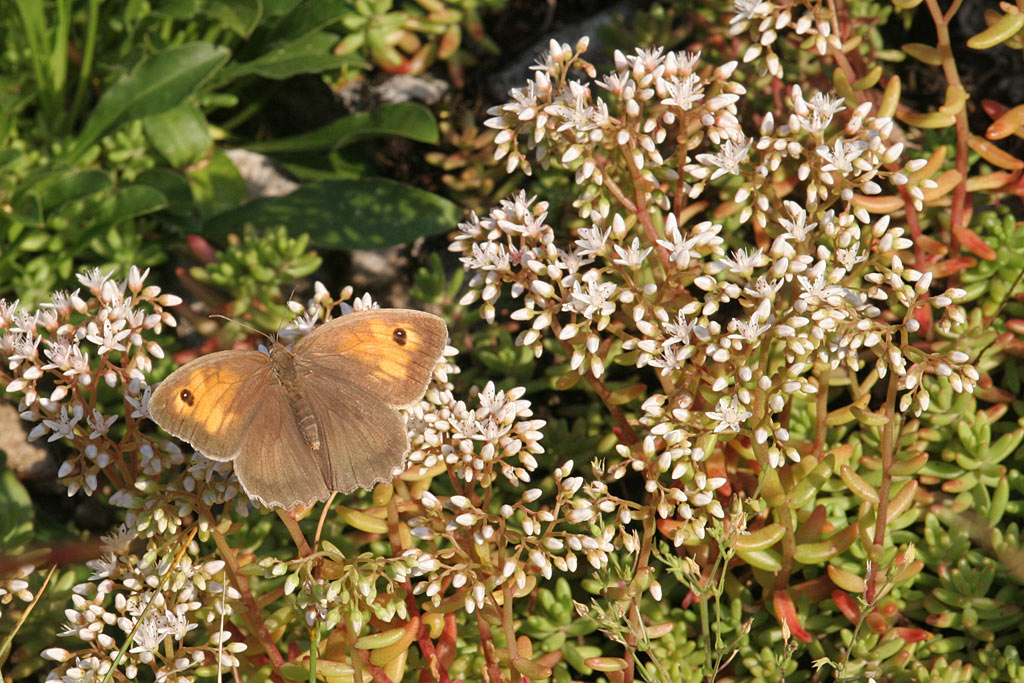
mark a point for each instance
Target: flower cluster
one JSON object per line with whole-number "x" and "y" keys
{"x": 157, "y": 609}
{"x": 60, "y": 358}
{"x": 15, "y": 585}
{"x": 762, "y": 20}
{"x": 64, "y": 357}
{"x": 736, "y": 339}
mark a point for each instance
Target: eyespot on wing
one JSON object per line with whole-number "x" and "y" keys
{"x": 210, "y": 401}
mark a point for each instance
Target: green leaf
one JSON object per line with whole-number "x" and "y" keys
{"x": 176, "y": 9}
{"x": 131, "y": 201}
{"x": 308, "y": 17}
{"x": 8, "y": 156}
{"x": 410, "y": 120}
{"x": 238, "y": 16}
{"x": 173, "y": 186}
{"x": 62, "y": 188}
{"x": 180, "y": 134}
{"x": 160, "y": 82}
{"x": 217, "y": 186}
{"x": 309, "y": 55}
{"x": 347, "y": 214}
{"x": 17, "y": 518}
{"x": 276, "y": 8}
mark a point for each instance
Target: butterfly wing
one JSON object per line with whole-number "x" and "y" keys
{"x": 389, "y": 352}
{"x": 276, "y": 466}
{"x": 211, "y": 402}
{"x": 363, "y": 439}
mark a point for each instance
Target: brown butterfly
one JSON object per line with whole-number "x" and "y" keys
{"x": 318, "y": 417}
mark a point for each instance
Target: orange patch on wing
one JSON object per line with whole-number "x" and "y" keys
{"x": 391, "y": 368}
{"x": 214, "y": 391}
{"x": 376, "y": 343}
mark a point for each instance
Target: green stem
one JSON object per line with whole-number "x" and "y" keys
{"x": 88, "y": 56}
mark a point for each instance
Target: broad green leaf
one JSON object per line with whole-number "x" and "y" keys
{"x": 406, "y": 119}
{"x": 176, "y": 9}
{"x": 308, "y": 17}
{"x": 131, "y": 201}
{"x": 306, "y": 172}
{"x": 173, "y": 185}
{"x": 70, "y": 186}
{"x": 278, "y": 65}
{"x": 35, "y": 240}
{"x": 312, "y": 54}
{"x": 17, "y": 517}
{"x": 180, "y": 134}
{"x": 277, "y": 8}
{"x": 217, "y": 186}
{"x": 8, "y": 156}
{"x": 239, "y": 16}
{"x": 347, "y": 214}
{"x": 160, "y": 82}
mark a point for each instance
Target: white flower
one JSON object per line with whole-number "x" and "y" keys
{"x": 729, "y": 157}
{"x": 592, "y": 241}
{"x": 633, "y": 257}
{"x": 729, "y": 414}
{"x": 64, "y": 426}
{"x": 593, "y": 302}
{"x": 684, "y": 92}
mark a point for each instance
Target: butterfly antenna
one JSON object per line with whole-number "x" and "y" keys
{"x": 283, "y": 324}
{"x": 245, "y": 325}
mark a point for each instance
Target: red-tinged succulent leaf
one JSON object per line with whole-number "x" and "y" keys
{"x": 996, "y": 412}
{"x": 1017, "y": 189}
{"x": 1014, "y": 347}
{"x": 993, "y": 108}
{"x": 813, "y": 527}
{"x": 785, "y": 612}
{"x": 931, "y": 246}
{"x": 974, "y": 244}
{"x": 877, "y": 623}
{"x": 994, "y": 395}
{"x": 815, "y": 590}
{"x": 923, "y": 316}
{"x": 847, "y": 605}
{"x": 204, "y": 251}
{"x": 911, "y": 635}
{"x": 947, "y": 267}
{"x": 1015, "y": 326}
{"x": 402, "y": 66}
{"x": 668, "y": 526}
{"x": 1007, "y": 124}
{"x": 941, "y": 620}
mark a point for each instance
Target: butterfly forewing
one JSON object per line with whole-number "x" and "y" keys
{"x": 392, "y": 351}
{"x": 211, "y": 402}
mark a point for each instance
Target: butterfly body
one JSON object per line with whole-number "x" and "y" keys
{"x": 318, "y": 417}
{"x": 282, "y": 366}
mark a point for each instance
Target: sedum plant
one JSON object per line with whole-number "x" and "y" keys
{"x": 749, "y": 402}
{"x": 743, "y": 385}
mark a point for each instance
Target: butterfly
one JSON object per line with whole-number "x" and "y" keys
{"x": 320, "y": 416}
